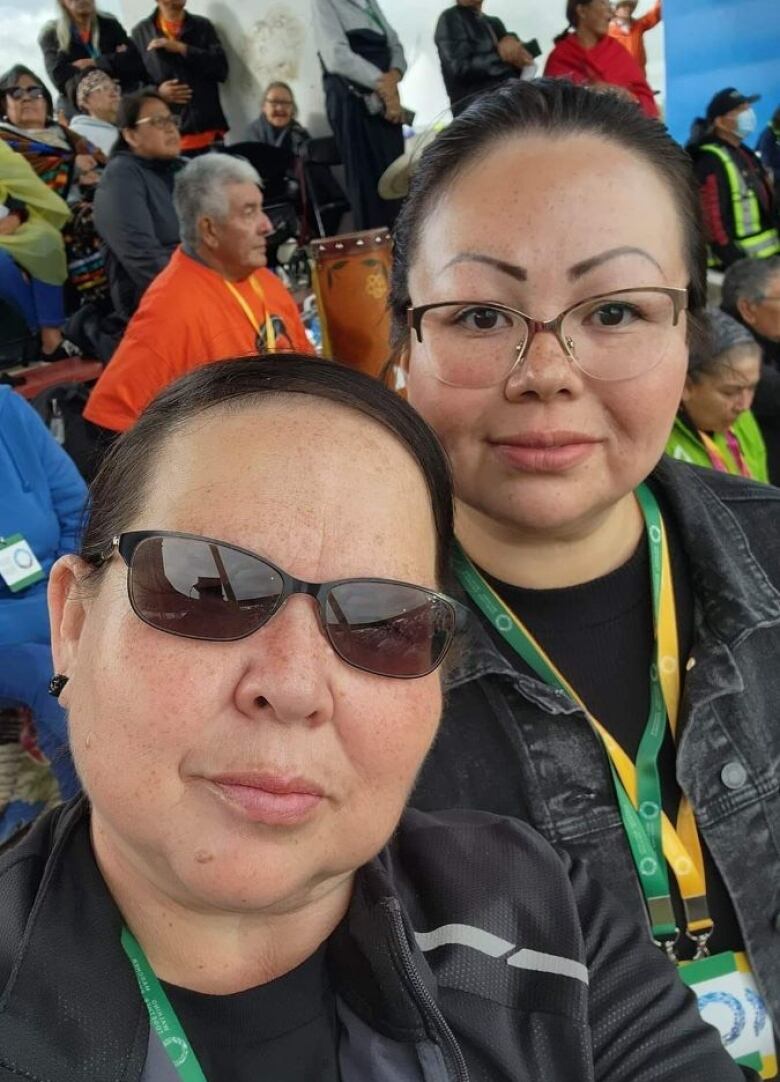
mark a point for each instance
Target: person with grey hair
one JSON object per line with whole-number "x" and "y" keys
{"x": 715, "y": 426}
{"x": 215, "y": 300}
{"x": 80, "y": 39}
{"x": 751, "y": 295}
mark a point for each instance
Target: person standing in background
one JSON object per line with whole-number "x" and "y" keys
{"x": 476, "y": 52}
{"x": 714, "y": 426}
{"x": 769, "y": 148}
{"x": 585, "y": 53}
{"x": 184, "y": 58}
{"x": 363, "y": 63}
{"x": 630, "y": 32}
{"x": 82, "y": 38}
{"x": 738, "y": 205}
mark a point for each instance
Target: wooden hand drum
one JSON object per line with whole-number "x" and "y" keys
{"x": 351, "y": 276}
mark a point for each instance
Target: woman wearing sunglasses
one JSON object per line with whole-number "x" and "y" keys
{"x": 248, "y": 649}
{"x": 70, "y": 166}
{"x": 613, "y": 684}
{"x": 134, "y": 209}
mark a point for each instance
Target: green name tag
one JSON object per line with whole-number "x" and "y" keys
{"x": 730, "y": 1001}
{"x": 18, "y": 566}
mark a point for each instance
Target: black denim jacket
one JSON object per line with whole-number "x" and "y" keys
{"x": 525, "y": 749}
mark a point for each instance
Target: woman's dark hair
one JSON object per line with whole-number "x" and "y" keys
{"x": 571, "y": 18}
{"x": 118, "y": 491}
{"x": 556, "y": 108}
{"x": 129, "y": 113}
{"x": 10, "y": 78}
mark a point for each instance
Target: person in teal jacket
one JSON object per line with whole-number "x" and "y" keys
{"x": 715, "y": 426}
{"x": 42, "y": 498}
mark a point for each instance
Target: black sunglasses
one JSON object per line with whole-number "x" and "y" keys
{"x": 200, "y": 588}
{"x": 20, "y": 92}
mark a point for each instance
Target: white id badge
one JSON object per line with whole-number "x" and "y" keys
{"x": 18, "y": 566}
{"x": 730, "y": 1001}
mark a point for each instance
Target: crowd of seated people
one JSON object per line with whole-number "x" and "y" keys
{"x": 607, "y": 701}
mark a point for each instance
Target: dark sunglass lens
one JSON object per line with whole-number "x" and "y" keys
{"x": 201, "y": 589}
{"x": 388, "y": 628}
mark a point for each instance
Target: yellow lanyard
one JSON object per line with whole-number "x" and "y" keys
{"x": 270, "y": 334}
{"x": 681, "y": 846}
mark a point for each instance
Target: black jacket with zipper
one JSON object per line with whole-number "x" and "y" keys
{"x": 203, "y": 68}
{"x": 471, "y": 952}
{"x": 467, "y": 44}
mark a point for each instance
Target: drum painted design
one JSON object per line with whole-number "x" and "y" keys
{"x": 351, "y": 275}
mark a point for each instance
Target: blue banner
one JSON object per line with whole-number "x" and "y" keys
{"x": 712, "y": 44}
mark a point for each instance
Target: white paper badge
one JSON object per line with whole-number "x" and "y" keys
{"x": 18, "y": 566}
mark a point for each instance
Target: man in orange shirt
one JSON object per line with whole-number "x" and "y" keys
{"x": 630, "y": 32}
{"x": 215, "y": 300}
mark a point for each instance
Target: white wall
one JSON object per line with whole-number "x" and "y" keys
{"x": 273, "y": 39}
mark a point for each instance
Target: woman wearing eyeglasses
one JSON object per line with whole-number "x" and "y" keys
{"x": 623, "y": 606}
{"x": 134, "y": 210}
{"x": 247, "y": 647}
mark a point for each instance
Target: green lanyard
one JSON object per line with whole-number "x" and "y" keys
{"x": 643, "y": 820}
{"x": 161, "y": 1014}
{"x": 369, "y": 12}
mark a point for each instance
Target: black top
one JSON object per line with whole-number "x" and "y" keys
{"x": 467, "y": 42}
{"x": 600, "y": 636}
{"x": 118, "y": 58}
{"x": 283, "y": 1031}
{"x": 203, "y": 68}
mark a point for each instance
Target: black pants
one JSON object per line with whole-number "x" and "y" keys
{"x": 367, "y": 145}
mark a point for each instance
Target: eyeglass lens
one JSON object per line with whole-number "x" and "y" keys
{"x": 203, "y": 589}
{"x": 609, "y": 338}
{"x": 18, "y": 93}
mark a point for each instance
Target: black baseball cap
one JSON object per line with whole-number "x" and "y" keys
{"x": 728, "y": 99}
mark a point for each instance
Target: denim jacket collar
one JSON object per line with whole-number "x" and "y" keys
{"x": 732, "y": 591}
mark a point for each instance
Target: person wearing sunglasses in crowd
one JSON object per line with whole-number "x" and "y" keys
{"x": 715, "y": 426}
{"x": 247, "y": 647}
{"x": 623, "y": 607}
{"x": 70, "y": 166}
{"x": 134, "y": 211}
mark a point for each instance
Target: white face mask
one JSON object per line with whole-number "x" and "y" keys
{"x": 746, "y": 123}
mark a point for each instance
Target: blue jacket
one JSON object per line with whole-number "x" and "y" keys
{"x": 42, "y": 496}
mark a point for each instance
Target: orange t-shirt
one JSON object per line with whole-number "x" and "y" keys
{"x": 188, "y": 317}
{"x": 633, "y": 38}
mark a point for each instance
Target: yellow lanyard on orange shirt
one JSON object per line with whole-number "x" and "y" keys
{"x": 270, "y": 334}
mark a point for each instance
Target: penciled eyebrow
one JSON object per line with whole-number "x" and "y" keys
{"x": 578, "y": 270}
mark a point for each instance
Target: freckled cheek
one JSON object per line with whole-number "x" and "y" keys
{"x": 387, "y": 743}
{"x": 643, "y": 410}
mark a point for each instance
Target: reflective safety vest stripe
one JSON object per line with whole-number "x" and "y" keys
{"x": 755, "y": 242}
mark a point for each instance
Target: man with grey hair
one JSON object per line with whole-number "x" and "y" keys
{"x": 215, "y": 300}
{"x": 751, "y": 294}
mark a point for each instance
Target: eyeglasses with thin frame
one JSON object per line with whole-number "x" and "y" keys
{"x": 286, "y": 103}
{"x": 612, "y": 336}
{"x": 171, "y": 120}
{"x": 19, "y": 93}
{"x": 200, "y": 588}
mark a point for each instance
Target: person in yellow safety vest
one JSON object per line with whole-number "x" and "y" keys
{"x": 738, "y": 203}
